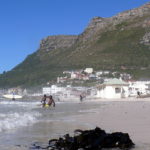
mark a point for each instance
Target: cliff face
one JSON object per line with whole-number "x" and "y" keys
{"x": 56, "y": 42}
{"x": 96, "y": 26}
{"x": 106, "y": 43}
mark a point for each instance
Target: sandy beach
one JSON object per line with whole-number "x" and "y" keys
{"x": 130, "y": 115}
{"x": 118, "y": 115}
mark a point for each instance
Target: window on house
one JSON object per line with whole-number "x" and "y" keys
{"x": 117, "y": 90}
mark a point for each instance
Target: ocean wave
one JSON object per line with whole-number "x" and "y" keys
{"x": 16, "y": 120}
{"x": 28, "y": 105}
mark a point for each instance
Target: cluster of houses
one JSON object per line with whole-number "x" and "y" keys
{"x": 112, "y": 85}
{"x": 109, "y": 89}
{"x": 65, "y": 93}
{"x": 16, "y": 90}
{"x": 90, "y": 74}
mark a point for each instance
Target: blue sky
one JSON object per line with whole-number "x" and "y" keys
{"x": 23, "y": 23}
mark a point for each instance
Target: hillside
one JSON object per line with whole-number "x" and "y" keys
{"x": 122, "y": 41}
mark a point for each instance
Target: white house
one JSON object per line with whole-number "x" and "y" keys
{"x": 138, "y": 86}
{"x": 46, "y": 90}
{"x": 113, "y": 88}
{"x": 106, "y": 72}
{"x": 99, "y": 73}
{"x": 73, "y": 75}
{"x": 88, "y": 70}
{"x": 52, "y": 90}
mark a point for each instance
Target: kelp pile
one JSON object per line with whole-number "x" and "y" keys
{"x": 95, "y": 139}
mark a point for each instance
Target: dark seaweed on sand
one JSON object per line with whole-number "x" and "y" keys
{"x": 96, "y": 139}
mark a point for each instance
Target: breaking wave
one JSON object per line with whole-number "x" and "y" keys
{"x": 15, "y": 120}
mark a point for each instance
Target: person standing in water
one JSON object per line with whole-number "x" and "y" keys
{"x": 43, "y": 101}
{"x": 51, "y": 101}
{"x": 13, "y": 96}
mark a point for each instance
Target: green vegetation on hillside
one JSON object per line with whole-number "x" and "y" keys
{"x": 116, "y": 47}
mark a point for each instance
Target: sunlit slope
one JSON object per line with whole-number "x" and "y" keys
{"x": 117, "y": 43}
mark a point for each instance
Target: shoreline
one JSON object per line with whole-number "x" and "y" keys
{"x": 132, "y": 118}
{"x": 130, "y": 99}
{"x": 119, "y": 99}
{"x": 128, "y": 115}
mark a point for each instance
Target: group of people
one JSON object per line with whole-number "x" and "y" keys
{"x": 50, "y": 101}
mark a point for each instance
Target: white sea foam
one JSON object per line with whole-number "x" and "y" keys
{"x": 19, "y": 103}
{"x": 89, "y": 111}
{"x": 15, "y": 120}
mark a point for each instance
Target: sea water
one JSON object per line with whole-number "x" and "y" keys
{"x": 23, "y": 123}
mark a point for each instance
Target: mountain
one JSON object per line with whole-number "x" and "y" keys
{"x": 121, "y": 42}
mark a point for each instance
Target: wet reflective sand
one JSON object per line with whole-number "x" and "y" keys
{"x": 131, "y": 117}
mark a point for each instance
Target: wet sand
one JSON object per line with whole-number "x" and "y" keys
{"x": 130, "y": 115}
{"x": 125, "y": 115}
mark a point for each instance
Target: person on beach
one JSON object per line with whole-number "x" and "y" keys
{"x": 51, "y": 101}
{"x": 138, "y": 94}
{"x": 43, "y": 101}
{"x": 58, "y": 99}
{"x": 81, "y": 98}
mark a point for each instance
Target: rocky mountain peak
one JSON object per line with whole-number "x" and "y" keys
{"x": 130, "y": 14}
{"x": 98, "y": 24}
